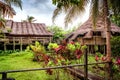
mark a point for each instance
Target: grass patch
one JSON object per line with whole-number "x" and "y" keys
{"x": 23, "y": 60}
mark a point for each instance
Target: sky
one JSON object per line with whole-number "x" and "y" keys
{"x": 43, "y": 10}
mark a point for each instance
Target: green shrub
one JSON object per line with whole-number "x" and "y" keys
{"x": 115, "y": 46}
{"x": 7, "y": 52}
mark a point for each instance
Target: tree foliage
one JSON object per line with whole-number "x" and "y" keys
{"x": 115, "y": 46}
{"x": 116, "y": 19}
{"x": 58, "y": 32}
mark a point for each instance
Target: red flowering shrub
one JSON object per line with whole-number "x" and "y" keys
{"x": 118, "y": 61}
{"x": 97, "y": 58}
{"x": 104, "y": 58}
{"x": 71, "y": 50}
{"x": 100, "y": 57}
{"x": 78, "y": 53}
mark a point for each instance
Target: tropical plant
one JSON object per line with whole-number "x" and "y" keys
{"x": 52, "y": 46}
{"x": 74, "y": 8}
{"x": 6, "y": 7}
{"x": 38, "y": 50}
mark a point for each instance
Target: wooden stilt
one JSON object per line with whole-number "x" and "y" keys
{"x": 50, "y": 39}
{"x": 4, "y": 42}
{"x": 14, "y": 43}
{"x": 43, "y": 42}
{"x": 21, "y": 44}
{"x": 4, "y": 46}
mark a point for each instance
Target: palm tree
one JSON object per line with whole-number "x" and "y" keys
{"x": 6, "y": 10}
{"x": 73, "y": 8}
{"x": 6, "y": 7}
{"x": 17, "y": 3}
{"x": 30, "y": 19}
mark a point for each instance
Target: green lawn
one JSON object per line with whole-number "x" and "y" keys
{"x": 23, "y": 60}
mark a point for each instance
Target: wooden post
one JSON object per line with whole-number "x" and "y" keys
{"x": 4, "y": 76}
{"x": 21, "y": 44}
{"x": 50, "y": 39}
{"x": 109, "y": 70}
{"x": 4, "y": 42}
{"x": 43, "y": 41}
{"x": 104, "y": 49}
{"x": 14, "y": 43}
{"x": 4, "y": 46}
{"x": 86, "y": 65}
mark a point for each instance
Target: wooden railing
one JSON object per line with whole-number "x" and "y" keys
{"x": 4, "y": 73}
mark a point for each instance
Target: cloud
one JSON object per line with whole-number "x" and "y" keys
{"x": 38, "y": 6}
{"x": 42, "y": 10}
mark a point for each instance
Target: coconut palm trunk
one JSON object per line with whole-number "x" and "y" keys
{"x": 108, "y": 35}
{"x": 108, "y": 30}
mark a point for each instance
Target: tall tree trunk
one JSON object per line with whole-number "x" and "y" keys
{"x": 108, "y": 36}
{"x": 108, "y": 30}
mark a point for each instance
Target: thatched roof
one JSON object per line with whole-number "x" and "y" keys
{"x": 6, "y": 10}
{"x": 25, "y": 29}
{"x": 86, "y": 30}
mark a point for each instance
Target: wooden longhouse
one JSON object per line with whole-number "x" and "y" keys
{"x": 25, "y": 33}
{"x": 90, "y": 36}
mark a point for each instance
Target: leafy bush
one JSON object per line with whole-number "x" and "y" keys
{"x": 115, "y": 46}
{"x": 37, "y": 49}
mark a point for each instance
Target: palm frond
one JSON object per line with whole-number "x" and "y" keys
{"x": 115, "y": 6}
{"x": 73, "y": 13}
{"x": 94, "y": 11}
{"x": 17, "y": 3}
{"x": 72, "y": 8}
{"x": 2, "y": 22}
{"x": 56, "y": 12}
{"x": 6, "y": 10}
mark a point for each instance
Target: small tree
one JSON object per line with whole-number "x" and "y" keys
{"x": 31, "y": 19}
{"x": 59, "y": 33}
